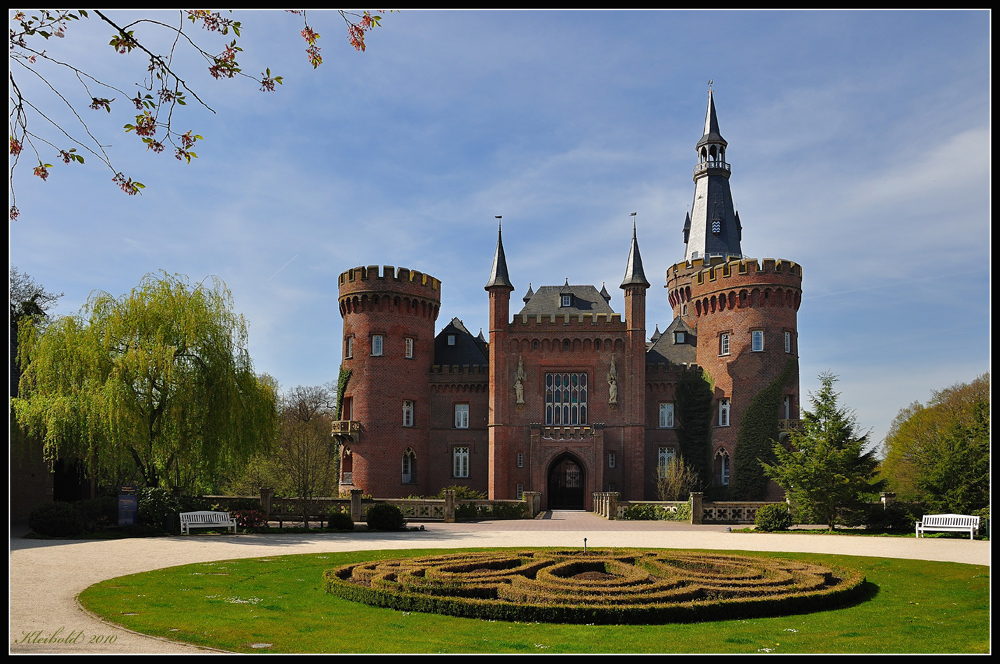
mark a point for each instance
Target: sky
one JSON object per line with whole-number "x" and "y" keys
{"x": 859, "y": 143}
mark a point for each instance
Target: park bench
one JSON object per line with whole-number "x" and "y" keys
{"x": 191, "y": 520}
{"x": 948, "y": 523}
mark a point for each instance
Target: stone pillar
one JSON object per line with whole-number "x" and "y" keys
{"x": 696, "y": 497}
{"x": 266, "y": 494}
{"x": 534, "y": 500}
{"x": 356, "y": 515}
{"x": 449, "y": 507}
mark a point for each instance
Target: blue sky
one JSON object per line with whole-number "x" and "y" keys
{"x": 859, "y": 144}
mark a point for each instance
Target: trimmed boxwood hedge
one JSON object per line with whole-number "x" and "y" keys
{"x": 615, "y": 586}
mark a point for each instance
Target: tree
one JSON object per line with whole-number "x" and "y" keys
{"x": 678, "y": 480}
{"x": 307, "y": 451}
{"x": 157, "y": 99}
{"x": 825, "y": 470}
{"x": 939, "y": 454}
{"x": 30, "y": 302}
{"x": 160, "y": 376}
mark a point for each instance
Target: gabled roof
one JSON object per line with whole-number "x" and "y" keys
{"x": 664, "y": 350}
{"x": 466, "y": 350}
{"x": 547, "y": 300}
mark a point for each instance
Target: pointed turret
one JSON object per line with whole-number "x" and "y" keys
{"x": 713, "y": 227}
{"x": 530, "y": 294}
{"x": 605, "y": 294}
{"x": 634, "y": 276}
{"x": 498, "y": 275}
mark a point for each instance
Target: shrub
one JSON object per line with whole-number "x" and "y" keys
{"x": 342, "y": 521}
{"x": 644, "y": 512}
{"x": 898, "y": 517}
{"x": 154, "y": 505}
{"x": 773, "y": 517}
{"x": 98, "y": 513}
{"x": 463, "y": 493}
{"x": 252, "y": 518}
{"x": 57, "y": 519}
{"x": 385, "y": 517}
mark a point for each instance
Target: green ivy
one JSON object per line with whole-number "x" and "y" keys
{"x": 694, "y": 398}
{"x": 756, "y": 437}
{"x": 345, "y": 375}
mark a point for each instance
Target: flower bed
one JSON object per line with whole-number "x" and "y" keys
{"x": 600, "y": 586}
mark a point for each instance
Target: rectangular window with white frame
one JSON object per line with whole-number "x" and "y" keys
{"x": 520, "y": 491}
{"x": 788, "y": 342}
{"x": 724, "y": 343}
{"x": 520, "y": 459}
{"x": 612, "y": 460}
{"x": 408, "y": 347}
{"x": 756, "y": 341}
{"x": 461, "y": 416}
{"x": 666, "y": 416}
{"x": 377, "y": 344}
{"x": 349, "y": 347}
{"x": 460, "y": 461}
{"x": 407, "y": 413}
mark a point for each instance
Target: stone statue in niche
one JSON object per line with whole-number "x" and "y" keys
{"x": 613, "y": 384}
{"x": 519, "y": 381}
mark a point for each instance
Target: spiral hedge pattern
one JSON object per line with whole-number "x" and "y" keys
{"x": 599, "y": 586}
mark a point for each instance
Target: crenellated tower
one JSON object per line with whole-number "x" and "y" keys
{"x": 743, "y": 311}
{"x": 388, "y": 349}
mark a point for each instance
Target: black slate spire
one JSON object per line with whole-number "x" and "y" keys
{"x": 498, "y": 275}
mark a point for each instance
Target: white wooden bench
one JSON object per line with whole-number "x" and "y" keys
{"x": 948, "y": 523}
{"x": 191, "y": 520}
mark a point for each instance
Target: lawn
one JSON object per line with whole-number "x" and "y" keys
{"x": 277, "y": 605}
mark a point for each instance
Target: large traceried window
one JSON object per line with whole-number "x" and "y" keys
{"x": 566, "y": 398}
{"x": 721, "y": 468}
{"x": 460, "y": 461}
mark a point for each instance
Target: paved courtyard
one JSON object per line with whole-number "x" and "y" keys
{"x": 47, "y": 575}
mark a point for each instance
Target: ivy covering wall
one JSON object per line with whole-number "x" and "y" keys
{"x": 756, "y": 437}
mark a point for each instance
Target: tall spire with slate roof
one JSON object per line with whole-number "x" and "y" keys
{"x": 498, "y": 275}
{"x": 713, "y": 228}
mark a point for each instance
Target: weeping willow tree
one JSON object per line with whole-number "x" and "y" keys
{"x": 160, "y": 377}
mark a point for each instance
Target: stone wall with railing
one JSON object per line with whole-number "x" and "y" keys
{"x": 610, "y": 506}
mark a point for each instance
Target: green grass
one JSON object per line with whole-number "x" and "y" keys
{"x": 919, "y": 607}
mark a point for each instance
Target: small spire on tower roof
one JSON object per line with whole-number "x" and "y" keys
{"x": 634, "y": 276}
{"x": 498, "y": 274}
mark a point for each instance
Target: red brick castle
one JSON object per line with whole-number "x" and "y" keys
{"x": 568, "y": 397}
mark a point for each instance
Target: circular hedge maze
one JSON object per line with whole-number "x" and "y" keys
{"x": 599, "y": 586}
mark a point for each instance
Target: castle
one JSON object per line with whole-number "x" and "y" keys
{"x": 568, "y": 397}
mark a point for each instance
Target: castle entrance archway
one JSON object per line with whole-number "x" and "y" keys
{"x": 566, "y": 483}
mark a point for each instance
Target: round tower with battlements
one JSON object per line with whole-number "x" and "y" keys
{"x": 388, "y": 350}
{"x": 743, "y": 312}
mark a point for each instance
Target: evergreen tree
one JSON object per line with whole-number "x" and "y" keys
{"x": 825, "y": 471}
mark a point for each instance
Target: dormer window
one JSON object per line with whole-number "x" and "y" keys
{"x": 451, "y": 339}
{"x": 567, "y": 300}
{"x": 679, "y": 337}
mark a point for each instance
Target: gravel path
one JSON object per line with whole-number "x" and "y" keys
{"x": 47, "y": 575}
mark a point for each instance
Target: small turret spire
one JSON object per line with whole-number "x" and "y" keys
{"x": 634, "y": 276}
{"x": 498, "y": 275}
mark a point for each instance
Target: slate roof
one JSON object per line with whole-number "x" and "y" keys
{"x": 546, "y": 301}
{"x": 663, "y": 350}
{"x": 467, "y": 349}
